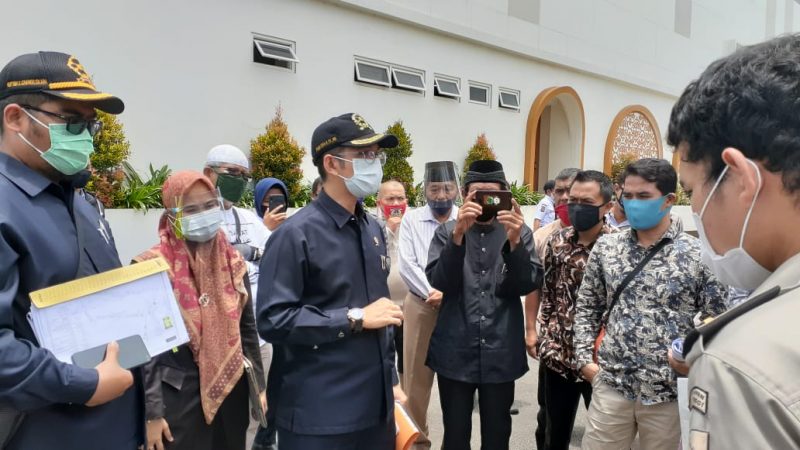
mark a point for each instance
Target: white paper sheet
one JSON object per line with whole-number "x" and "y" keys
{"x": 145, "y": 306}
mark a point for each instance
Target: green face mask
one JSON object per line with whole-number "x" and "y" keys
{"x": 231, "y": 187}
{"x": 68, "y": 153}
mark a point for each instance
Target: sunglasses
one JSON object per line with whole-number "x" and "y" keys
{"x": 75, "y": 124}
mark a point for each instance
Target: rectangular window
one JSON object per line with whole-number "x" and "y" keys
{"x": 408, "y": 79}
{"x": 274, "y": 52}
{"x": 479, "y": 93}
{"x": 372, "y": 73}
{"x": 509, "y": 99}
{"x": 444, "y": 86}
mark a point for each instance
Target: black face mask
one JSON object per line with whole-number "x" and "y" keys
{"x": 441, "y": 207}
{"x": 619, "y": 201}
{"x": 583, "y": 217}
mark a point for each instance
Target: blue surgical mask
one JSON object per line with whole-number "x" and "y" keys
{"x": 366, "y": 179}
{"x": 645, "y": 214}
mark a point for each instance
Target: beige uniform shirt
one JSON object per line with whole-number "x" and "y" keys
{"x": 397, "y": 287}
{"x": 744, "y": 383}
{"x": 541, "y": 236}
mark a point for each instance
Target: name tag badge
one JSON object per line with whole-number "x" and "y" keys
{"x": 386, "y": 263}
{"x": 698, "y": 400}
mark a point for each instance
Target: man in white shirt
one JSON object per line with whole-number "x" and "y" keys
{"x": 545, "y": 210}
{"x": 228, "y": 168}
{"x": 420, "y": 308}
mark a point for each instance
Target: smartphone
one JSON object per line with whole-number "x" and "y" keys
{"x": 492, "y": 202}
{"x": 276, "y": 200}
{"x": 132, "y": 353}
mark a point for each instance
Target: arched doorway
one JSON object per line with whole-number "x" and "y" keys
{"x": 555, "y": 135}
{"x": 633, "y": 135}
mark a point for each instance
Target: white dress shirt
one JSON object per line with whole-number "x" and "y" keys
{"x": 416, "y": 232}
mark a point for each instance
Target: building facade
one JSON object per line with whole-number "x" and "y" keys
{"x": 552, "y": 83}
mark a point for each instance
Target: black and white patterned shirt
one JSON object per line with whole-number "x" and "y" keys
{"x": 655, "y": 308}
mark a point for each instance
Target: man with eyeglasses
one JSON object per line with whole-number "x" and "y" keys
{"x": 49, "y": 235}
{"x": 323, "y": 297}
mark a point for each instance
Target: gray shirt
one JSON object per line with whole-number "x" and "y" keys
{"x": 744, "y": 388}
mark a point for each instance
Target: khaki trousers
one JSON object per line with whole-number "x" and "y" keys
{"x": 613, "y": 421}
{"x": 419, "y": 321}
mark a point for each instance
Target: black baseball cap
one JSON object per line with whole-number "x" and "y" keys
{"x": 55, "y": 74}
{"x": 347, "y": 130}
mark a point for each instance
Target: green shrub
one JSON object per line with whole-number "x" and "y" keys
{"x": 397, "y": 166}
{"x": 277, "y": 154}
{"x": 524, "y": 195}
{"x": 137, "y": 193}
{"x": 111, "y": 149}
{"x": 480, "y": 150}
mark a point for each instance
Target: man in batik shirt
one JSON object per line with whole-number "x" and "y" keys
{"x": 565, "y": 258}
{"x": 633, "y": 387}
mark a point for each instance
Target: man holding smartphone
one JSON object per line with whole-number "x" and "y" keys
{"x": 483, "y": 262}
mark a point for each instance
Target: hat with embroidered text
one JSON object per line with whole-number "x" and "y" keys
{"x": 55, "y": 74}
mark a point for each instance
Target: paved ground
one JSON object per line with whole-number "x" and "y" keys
{"x": 522, "y": 433}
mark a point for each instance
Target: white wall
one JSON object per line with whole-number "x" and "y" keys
{"x": 185, "y": 71}
{"x": 630, "y": 40}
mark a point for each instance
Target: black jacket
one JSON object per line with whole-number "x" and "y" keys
{"x": 480, "y": 332}
{"x": 178, "y": 370}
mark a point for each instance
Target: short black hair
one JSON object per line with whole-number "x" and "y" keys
{"x": 34, "y": 100}
{"x": 550, "y": 185}
{"x": 316, "y": 184}
{"x": 567, "y": 174}
{"x": 749, "y": 101}
{"x": 654, "y": 170}
{"x": 606, "y": 188}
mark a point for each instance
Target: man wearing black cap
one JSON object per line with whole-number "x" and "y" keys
{"x": 482, "y": 265}
{"x": 323, "y": 297}
{"x": 48, "y": 235}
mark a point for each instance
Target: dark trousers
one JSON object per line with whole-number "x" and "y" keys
{"x": 495, "y": 402}
{"x": 398, "y": 347}
{"x": 558, "y": 403}
{"x": 266, "y": 438}
{"x": 381, "y": 437}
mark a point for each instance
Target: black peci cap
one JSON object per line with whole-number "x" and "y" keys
{"x": 55, "y": 74}
{"x": 347, "y": 130}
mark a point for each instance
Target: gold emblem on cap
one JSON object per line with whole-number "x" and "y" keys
{"x": 79, "y": 70}
{"x": 362, "y": 124}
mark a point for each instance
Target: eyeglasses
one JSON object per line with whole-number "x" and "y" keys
{"x": 75, "y": 124}
{"x": 370, "y": 156}
{"x": 234, "y": 172}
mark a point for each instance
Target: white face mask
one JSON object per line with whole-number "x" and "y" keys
{"x": 201, "y": 227}
{"x": 736, "y": 267}
{"x": 366, "y": 179}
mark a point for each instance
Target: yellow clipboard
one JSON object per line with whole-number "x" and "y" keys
{"x": 92, "y": 284}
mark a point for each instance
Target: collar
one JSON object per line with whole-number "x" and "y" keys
{"x": 571, "y": 235}
{"x": 427, "y": 214}
{"x": 786, "y": 276}
{"x": 672, "y": 232}
{"x": 25, "y": 178}
{"x": 339, "y": 215}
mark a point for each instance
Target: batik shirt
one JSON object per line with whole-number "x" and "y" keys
{"x": 565, "y": 260}
{"x": 655, "y": 308}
